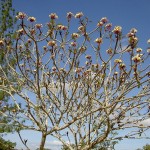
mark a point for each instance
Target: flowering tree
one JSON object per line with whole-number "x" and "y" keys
{"x": 75, "y": 90}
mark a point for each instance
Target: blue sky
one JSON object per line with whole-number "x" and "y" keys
{"x": 126, "y": 13}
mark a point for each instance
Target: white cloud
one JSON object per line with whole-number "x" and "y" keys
{"x": 146, "y": 122}
{"x": 55, "y": 142}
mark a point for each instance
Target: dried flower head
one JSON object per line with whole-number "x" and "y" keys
{"x": 122, "y": 66}
{"x": 53, "y": 68}
{"x": 88, "y": 56}
{"x": 32, "y": 19}
{"x": 130, "y": 34}
{"x": 69, "y": 15}
{"x": 99, "y": 24}
{"x": 79, "y": 15}
{"x": 53, "y": 16}
{"x": 59, "y": 26}
{"x": 32, "y": 31}
{"x": 29, "y": 40}
{"x": 75, "y": 35}
{"x": 133, "y": 30}
{"x": 74, "y": 44}
{"x": 148, "y": 41}
{"x": 21, "y": 15}
{"x": 138, "y": 50}
{"x": 133, "y": 40}
{"x": 118, "y": 61}
{"x": 82, "y": 48}
{"x": 104, "y": 20}
{"x": 108, "y": 27}
{"x": 62, "y": 70}
{"x": 38, "y": 26}
{"x": 81, "y": 28}
{"x": 87, "y": 63}
{"x": 45, "y": 48}
{"x": 51, "y": 43}
{"x": 136, "y": 58}
{"x": 109, "y": 51}
{"x": 99, "y": 40}
{"x": 20, "y": 46}
{"x": 20, "y": 31}
{"x": 117, "y": 29}
{"x": 64, "y": 28}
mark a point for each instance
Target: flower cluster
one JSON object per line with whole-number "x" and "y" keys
{"x": 132, "y": 32}
{"x": 20, "y": 31}
{"x": 102, "y": 22}
{"x": 21, "y": 15}
{"x": 109, "y": 51}
{"x": 108, "y": 27}
{"x": 136, "y": 58}
{"x": 79, "y": 15}
{"x": 38, "y": 26}
{"x": 81, "y": 28}
{"x": 122, "y": 66}
{"x": 138, "y": 50}
{"x": 82, "y": 48}
{"x": 61, "y": 27}
{"x": 69, "y": 15}
{"x": 132, "y": 37}
{"x": 99, "y": 40}
{"x": 53, "y": 16}
{"x": 52, "y": 43}
{"x": 32, "y": 31}
{"x": 117, "y": 30}
{"x": 73, "y": 44}
{"x": 75, "y": 35}
{"x": 133, "y": 40}
{"x": 32, "y": 19}
{"x": 88, "y": 56}
{"x": 118, "y": 61}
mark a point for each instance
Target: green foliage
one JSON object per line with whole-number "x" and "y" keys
{"x": 146, "y": 147}
{"x": 7, "y": 22}
{"x": 7, "y": 18}
{"x": 6, "y": 145}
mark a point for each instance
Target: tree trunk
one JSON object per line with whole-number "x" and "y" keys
{"x": 43, "y": 141}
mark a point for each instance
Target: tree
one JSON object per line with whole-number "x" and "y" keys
{"x": 73, "y": 89}
{"x": 146, "y": 147}
{"x": 7, "y": 22}
{"x": 6, "y": 144}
